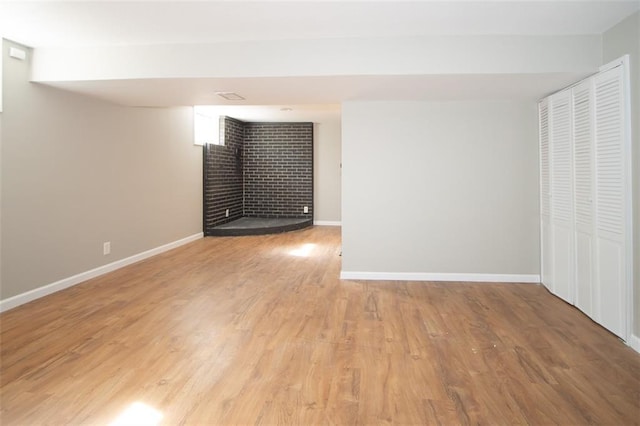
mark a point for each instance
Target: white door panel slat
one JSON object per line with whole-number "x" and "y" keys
{"x": 582, "y": 131}
{"x": 609, "y": 159}
{"x": 545, "y": 198}
{"x": 560, "y": 122}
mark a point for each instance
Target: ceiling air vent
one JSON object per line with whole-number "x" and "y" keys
{"x": 230, "y": 96}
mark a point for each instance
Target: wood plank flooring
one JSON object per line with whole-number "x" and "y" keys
{"x": 260, "y": 330}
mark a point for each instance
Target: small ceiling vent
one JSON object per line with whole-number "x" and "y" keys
{"x": 230, "y": 96}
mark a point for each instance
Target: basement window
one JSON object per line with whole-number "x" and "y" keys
{"x": 206, "y": 126}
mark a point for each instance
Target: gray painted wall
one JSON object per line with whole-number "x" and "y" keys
{"x": 622, "y": 39}
{"x": 327, "y": 181}
{"x": 440, "y": 187}
{"x": 77, "y": 172}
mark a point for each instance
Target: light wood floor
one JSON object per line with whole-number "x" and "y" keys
{"x": 260, "y": 330}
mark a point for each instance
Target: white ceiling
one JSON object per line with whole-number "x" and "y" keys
{"x": 107, "y": 23}
{"x": 78, "y": 23}
{"x": 279, "y": 113}
{"x": 324, "y": 90}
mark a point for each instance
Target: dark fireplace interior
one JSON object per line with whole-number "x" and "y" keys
{"x": 259, "y": 180}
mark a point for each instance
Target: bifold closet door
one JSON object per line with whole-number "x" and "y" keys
{"x": 546, "y": 237}
{"x": 612, "y": 201}
{"x": 583, "y": 169}
{"x": 585, "y": 197}
{"x": 561, "y": 195}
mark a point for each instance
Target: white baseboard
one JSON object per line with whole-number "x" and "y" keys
{"x": 45, "y": 290}
{"x": 426, "y": 276}
{"x": 634, "y": 343}
{"x": 327, "y": 222}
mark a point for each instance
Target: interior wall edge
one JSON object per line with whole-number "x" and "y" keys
{"x": 327, "y": 223}
{"x": 434, "y": 276}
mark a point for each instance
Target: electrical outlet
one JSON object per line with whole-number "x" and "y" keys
{"x": 305, "y": 209}
{"x": 226, "y": 213}
{"x": 106, "y": 248}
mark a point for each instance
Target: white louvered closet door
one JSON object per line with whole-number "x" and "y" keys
{"x": 611, "y": 202}
{"x": 546, "y": 237}
{"x": 583, "y": 169}
{"x": 585, "y": 197}
{"x": 561, "y": 195}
